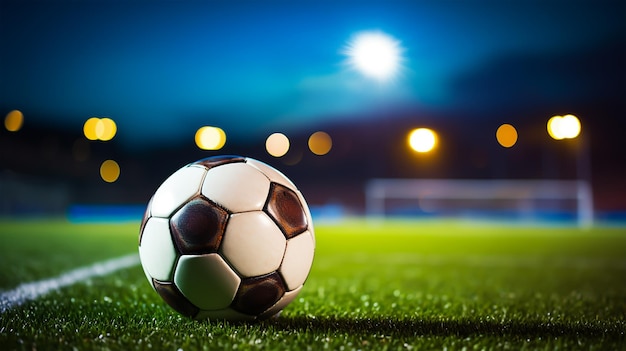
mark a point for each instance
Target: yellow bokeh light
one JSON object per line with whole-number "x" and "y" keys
{"x": 570, "y": 126}
{"x": 506, "y": 135}
{"x": 106, "y": 129}
{"x": 99, "y": 129}
{"x": 89, "y": 128}
{"x": 554, "y": 127}
{"x": 320, "y": 143}
{"x": 14, "y": 121}
{"x": 564, "y": 127}
{"x": 210, "y": 138}
{"x": 277, "y": 144}
{"x": 422, "y": 140}
{"x": 109, "y": 171}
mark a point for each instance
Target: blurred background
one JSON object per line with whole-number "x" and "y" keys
{"x": 103, "y": 100}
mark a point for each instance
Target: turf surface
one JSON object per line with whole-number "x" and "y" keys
{"x": 392, "y": 285}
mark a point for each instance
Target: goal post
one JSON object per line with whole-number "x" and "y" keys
{"x": 521, "y": 195}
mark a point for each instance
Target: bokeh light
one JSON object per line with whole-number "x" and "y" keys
{"x": 106, "y": 129}
{"x": 99, "y": 129}
{"x": 422, "y": 140}
{"x": 277, "y": 144}
{"x": 89, "y": 128}
{"x": 554, "y": 129}
{"x": 320, "y": 143}
{"x": 506, "y": 135}
{"x": 570, "y": 126}
{"x": 210, "y": 138}
{"x": 109, "y": 171}
{"x": 564, "y": 127}
{"x": 14, "y": 121}
{"x": 375, "y": 54}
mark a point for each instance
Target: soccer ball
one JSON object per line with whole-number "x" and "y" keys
{"x": 227, "y": 237}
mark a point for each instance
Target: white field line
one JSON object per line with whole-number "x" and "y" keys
{"x": 33, "y": 290}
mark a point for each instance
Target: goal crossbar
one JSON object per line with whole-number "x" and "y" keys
{"x": 378, "y": 190}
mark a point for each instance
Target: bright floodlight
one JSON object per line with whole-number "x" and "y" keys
{"x": 89, "y": 128}
{"x": 99, "y": 128}
{"x": 422, "y": 140}
{"x": 210, "y": 138}
{"x": 570, "y": 126}
{"x": 106, "y": 129}
{"x": 375, "y": 54}
{"x": 277, "y": 144}
{"x": 564, "y": 127}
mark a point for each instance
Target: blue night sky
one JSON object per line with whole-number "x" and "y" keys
{"x": 162, "y": 69}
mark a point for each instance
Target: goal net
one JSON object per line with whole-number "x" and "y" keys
{"x": 516, "y": 199}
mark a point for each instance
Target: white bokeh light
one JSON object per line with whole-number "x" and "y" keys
{"x": 564, "y": 127}
{"x": 422, "y": 140}
{"x": 375, "y": 54}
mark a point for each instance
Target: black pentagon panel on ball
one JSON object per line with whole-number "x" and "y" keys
{"x": 285, "y": 209}
{"x": 215, "y": 161}
{"x": 257, "y": 294}
{"x": 170, "y": 294}
{"x": 198, "y": 227}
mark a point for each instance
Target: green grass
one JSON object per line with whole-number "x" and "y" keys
{"x": 42, "y": 249}
{"x": 395, "y": 285}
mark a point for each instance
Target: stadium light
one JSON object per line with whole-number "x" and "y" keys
{"x": 374, "y": 54}
{"x": 14, "y": 121}
{"x": 422, "y": 140}
{"x": 564, "y": 127}
{"x": 106, "y": 129}
{"x": 210, "y": 138}
{"x": 506, "y": 135}
{"x": 109, "y": 171}
{"x": 277, "y": 144}
{"x": 569, "y": 127}
{"x": 103, "y": 129}
{"x": 320, "y": 143}
{"x": 89, "y": 128}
